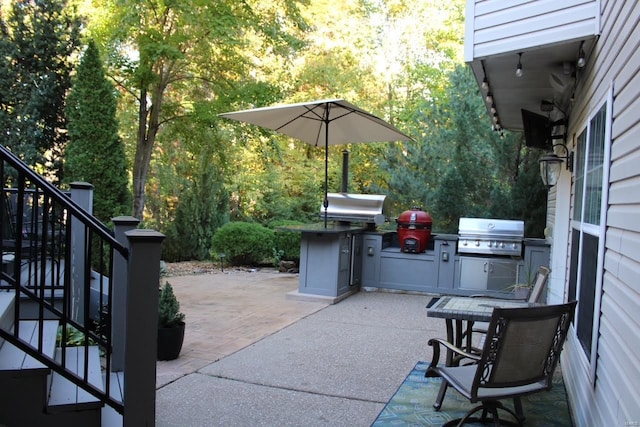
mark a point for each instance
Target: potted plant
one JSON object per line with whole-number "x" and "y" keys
{"x": 170, "y": 324}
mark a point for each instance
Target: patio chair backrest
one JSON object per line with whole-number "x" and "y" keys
{"x": 539, "y": 284}
{"x": 523, "y": 346}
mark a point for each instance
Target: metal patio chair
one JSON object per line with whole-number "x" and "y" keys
{"x": 519, "y": 357}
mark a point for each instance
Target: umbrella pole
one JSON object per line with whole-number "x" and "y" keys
{"x": 326, "y": 165}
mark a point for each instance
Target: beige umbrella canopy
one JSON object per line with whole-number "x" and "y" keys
{"x": 322, "y": 123}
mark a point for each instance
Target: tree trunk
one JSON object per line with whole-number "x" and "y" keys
{"x": 148, "y": 125}
{"x": 139, "y": 174}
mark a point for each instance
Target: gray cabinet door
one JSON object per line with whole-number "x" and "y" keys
{"x": 356, "y": 264}
{"x": 502, "y": 275}
{"x": 344, "y": 262}
{"x": 474, "y": 273}
{"x": 490, "y": 274}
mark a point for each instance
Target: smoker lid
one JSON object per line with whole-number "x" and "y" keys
{"x": 355, "y": 207}
{"x": 484, "y": 227}
{"x": 414, "y": 216}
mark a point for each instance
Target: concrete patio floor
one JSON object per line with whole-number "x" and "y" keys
{"x": 252, "y": 356}
{"x": 227, "y": 311}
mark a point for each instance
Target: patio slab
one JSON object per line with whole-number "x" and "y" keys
{"x": 227, "y": 311}
{"x": 306, "y": 363}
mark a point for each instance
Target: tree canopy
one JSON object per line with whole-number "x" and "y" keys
{"x": 37, "y": 50}
{"x": 95, "y": 152}
{"x": 175, "y": 65}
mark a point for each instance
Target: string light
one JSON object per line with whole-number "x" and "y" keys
{"x": 519, "y": 72}
{"x": 489, "y": 98}
{"x": 582, "y": 61}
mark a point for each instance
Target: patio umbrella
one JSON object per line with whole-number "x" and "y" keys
{"x": 322, "y": 123}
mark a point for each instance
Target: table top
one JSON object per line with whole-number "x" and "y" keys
{"x": 468, "y": 308}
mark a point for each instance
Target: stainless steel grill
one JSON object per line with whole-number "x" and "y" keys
{"x": 365, "y": 208}
{"x": 490, "y": 236}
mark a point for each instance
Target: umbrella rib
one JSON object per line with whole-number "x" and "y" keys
{"x": 317, "y": 117}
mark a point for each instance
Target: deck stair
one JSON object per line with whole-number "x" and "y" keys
{"x": 30, "y": 393}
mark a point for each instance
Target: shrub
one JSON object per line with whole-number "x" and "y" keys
{"x": 169, "y": 314}
{"x": 287, "y": 243}
{"x": 243, "y": 243}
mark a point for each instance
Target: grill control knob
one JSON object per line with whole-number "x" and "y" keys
{"x": 502, "y": 244}
{"x": 477, "y": 242}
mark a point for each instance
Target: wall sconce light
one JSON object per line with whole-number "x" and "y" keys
{"x": 582, "y": 60}
{"x": 550, "y": 165}
{"x": 519, "y": 72}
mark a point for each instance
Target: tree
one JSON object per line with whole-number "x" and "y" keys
{"x": 460, "y": 167}
{"x": 200, "y": 200}
{"x": 40, "y": 39}
{"x": 95, "y": 153}
{"x": 172, "y": 54}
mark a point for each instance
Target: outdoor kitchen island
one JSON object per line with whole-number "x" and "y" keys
{"x": 339, "y": 260}
{"x": 348, "y": 251}
{"x": 440, "y": 269}
{"x": 330, "y": 260}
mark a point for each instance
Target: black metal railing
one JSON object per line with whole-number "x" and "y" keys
{"x": 44, "y": 233}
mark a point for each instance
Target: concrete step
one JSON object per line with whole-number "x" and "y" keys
{"x": 66, "y": 396}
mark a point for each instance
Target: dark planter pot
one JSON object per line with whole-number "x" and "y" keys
{"x": 170, "y": 342}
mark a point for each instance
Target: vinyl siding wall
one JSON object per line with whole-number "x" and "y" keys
{"x": 611, "y": 398}
{"x": 502, "y": 26}
{"x": 558, "y": 235}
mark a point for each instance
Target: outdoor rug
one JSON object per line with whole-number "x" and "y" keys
{"x": 412, "y": 404}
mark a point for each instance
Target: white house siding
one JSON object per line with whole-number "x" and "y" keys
{"x": 612, "y": 399}
{"x": 503, "y": 26}
{"x": 557, "y": 233}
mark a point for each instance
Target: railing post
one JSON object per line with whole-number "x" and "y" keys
{"x": 82, "y": 194}
{"x": 122, "y": 224}
{"x": 142, "y": 327}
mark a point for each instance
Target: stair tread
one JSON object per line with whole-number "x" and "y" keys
{"x": 111, "y": 417}
{"x": 6, "y": 298}
{"x": 6, "y": 310}
{"x": 116, "y": 385}
{"x": 66, "y": 395}
{"x": 12, "y": 359}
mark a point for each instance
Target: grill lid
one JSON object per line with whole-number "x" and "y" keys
{"x": 490, "y": 236}
{"x": 348, "y": 207}
{"x": 486, "y": 228}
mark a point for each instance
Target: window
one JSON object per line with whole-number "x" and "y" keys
{"x": 587, "y": 230}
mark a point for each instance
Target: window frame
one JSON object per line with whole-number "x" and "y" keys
{"x": 598, "y": 231}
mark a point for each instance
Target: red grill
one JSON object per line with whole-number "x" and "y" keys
{"x": 414, "y": 230}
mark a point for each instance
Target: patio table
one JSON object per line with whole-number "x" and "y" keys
{"x": 463, "y": 310}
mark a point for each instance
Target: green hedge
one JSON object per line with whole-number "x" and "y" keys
{"x": 244, "y": 243}
{"x": 287, "y": 243}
